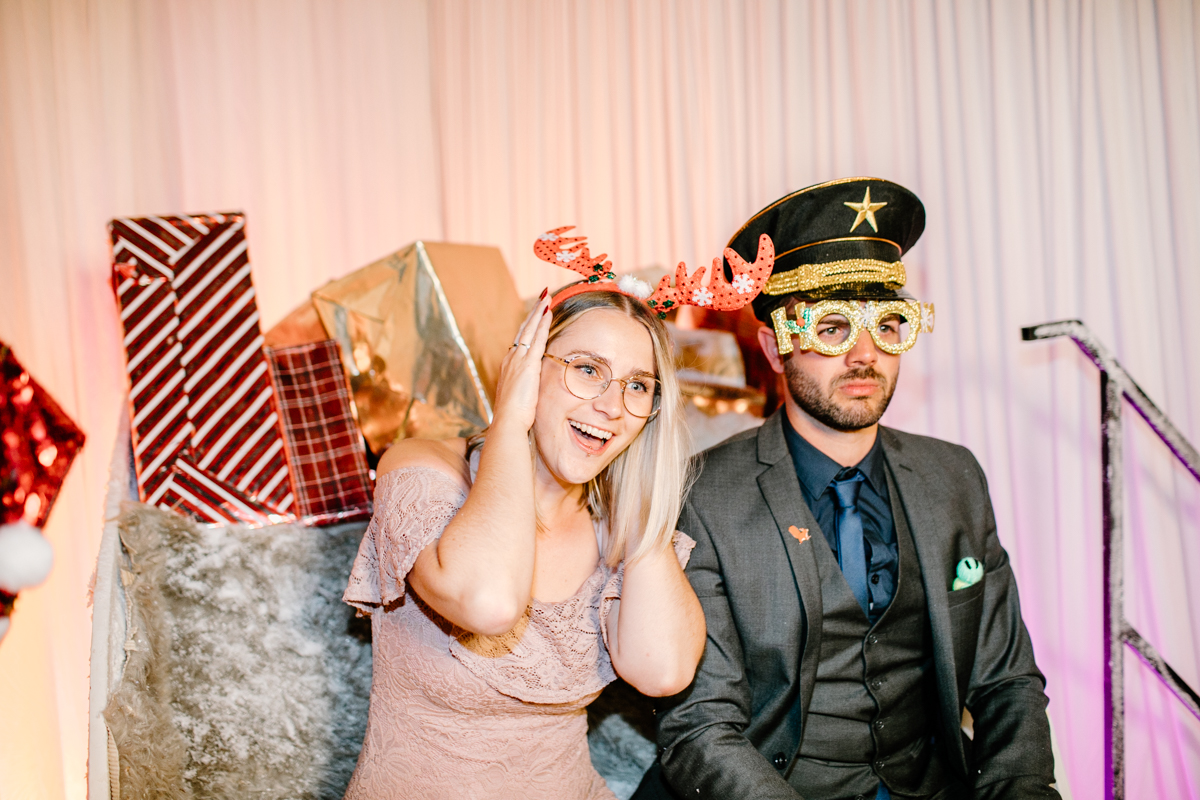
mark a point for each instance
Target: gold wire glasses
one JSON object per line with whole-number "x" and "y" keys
{"x": 587, "y": 379}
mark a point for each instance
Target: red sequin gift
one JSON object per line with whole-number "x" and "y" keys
{"x": 39, "y": 441}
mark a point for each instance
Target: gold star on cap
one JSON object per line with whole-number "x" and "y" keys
{"x": 866, "y": 210}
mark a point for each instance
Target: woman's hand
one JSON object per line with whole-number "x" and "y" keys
{"x": 521, "y": 371}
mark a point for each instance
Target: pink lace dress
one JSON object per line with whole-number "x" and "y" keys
{"x": 459, "y": 715}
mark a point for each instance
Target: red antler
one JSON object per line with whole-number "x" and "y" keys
{"x": 720, "y": 294}
{"x": 572, "y": 253}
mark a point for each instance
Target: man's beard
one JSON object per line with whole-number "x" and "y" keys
{"x": 854, "y": 414}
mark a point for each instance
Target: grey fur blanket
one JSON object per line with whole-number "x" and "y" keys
{"x": 246, "y": 676}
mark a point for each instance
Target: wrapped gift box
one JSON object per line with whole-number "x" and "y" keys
{"x": 207, "y": 438}
{"x": 324, "y": 446}
{"x": 38, "y": 442}
{"x": 423, "y": 332}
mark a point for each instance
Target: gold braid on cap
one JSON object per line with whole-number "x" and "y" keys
{"x": 836, "y": 275}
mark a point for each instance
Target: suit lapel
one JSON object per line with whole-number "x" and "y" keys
{"x": 781, "y": 490}
{"x": 926, "y": 523}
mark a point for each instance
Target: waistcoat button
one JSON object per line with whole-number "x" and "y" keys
{"x": 872, "y": 639}
{"x": 879, "y": 724}
{"x": 780, "y": 761}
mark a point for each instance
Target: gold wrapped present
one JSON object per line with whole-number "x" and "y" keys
{"x": 423, "y": 332}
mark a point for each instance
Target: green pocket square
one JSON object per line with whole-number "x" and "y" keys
{"x": 969, "y": 573}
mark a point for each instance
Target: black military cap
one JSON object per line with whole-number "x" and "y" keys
{"x": 841, "y": 239}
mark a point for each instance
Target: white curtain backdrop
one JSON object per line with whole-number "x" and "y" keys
{"x": 1056, "y": 145}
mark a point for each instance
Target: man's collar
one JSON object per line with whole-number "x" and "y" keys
{"x": 815, "y": 470}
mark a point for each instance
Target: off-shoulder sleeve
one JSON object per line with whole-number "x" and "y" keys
{"x": 683, "y": 545}
{"x": 412, "y": 507}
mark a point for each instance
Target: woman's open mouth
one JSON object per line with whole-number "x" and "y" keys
{"x": 592, "y": 439}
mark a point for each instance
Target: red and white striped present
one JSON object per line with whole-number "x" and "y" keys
{"x": 207, "y": 438}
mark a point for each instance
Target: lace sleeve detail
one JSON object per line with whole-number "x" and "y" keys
{"x": 683, "y": 545}
{"x": 412, "y": 507}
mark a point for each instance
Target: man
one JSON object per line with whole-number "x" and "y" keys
{"x": 856, "y": 595}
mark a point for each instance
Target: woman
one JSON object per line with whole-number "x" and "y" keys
{"x": 536, "y": 566}
{"x": 509, "y": 578}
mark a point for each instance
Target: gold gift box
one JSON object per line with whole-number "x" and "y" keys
{"x": 422, "y": 332}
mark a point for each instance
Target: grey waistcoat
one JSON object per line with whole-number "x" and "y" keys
{"x": 874, "y": 703}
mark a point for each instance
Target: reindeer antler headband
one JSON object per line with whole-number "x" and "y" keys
{"x": 722, "y": 295}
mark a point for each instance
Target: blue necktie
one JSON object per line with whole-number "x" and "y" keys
{"x": 852, "y": 555}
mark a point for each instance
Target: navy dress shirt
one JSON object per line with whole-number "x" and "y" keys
{"x": 816, "y": 472}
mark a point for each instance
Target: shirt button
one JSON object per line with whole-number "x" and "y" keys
{"x": 780, "y": 761}
{"x": 875, "y": 578}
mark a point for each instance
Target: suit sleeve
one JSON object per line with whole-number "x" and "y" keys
{"x": 703, "y": 751}
{"x": 1011, "y": 755}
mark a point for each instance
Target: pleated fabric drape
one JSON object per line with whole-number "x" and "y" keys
{"x": 1056, "y": 145}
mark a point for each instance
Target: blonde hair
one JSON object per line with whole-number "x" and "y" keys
{"x": 639, "y": 495}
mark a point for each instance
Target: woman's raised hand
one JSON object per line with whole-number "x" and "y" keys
{"x": 521, "y": 371}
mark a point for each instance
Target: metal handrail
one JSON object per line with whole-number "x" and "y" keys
{"x": 1115, "y": 383}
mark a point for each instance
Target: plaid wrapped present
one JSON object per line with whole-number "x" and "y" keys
{"x": 325, "y": 448}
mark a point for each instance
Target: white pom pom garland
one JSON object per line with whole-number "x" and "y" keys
{"x": 25, "y": 557}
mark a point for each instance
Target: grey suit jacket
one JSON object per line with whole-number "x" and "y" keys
{"x": 761, "y": 594}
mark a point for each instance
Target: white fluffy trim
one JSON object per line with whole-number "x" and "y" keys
{"x": 3, "y": 627}
{"x": 25, "y": 557}
{"x": 634, "y": 286}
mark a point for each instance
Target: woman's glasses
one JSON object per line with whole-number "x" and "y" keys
{"x": 587, "y": 379}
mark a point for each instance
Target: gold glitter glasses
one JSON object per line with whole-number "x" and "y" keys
{"x": 587, "y": 379}
{"x": 831, "y": 327}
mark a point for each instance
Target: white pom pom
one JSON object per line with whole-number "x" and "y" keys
{"x": 634, "y": 286}
{"x": 25, "y": 557}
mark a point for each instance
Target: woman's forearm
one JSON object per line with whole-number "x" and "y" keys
{"x": 659, "y": 635}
